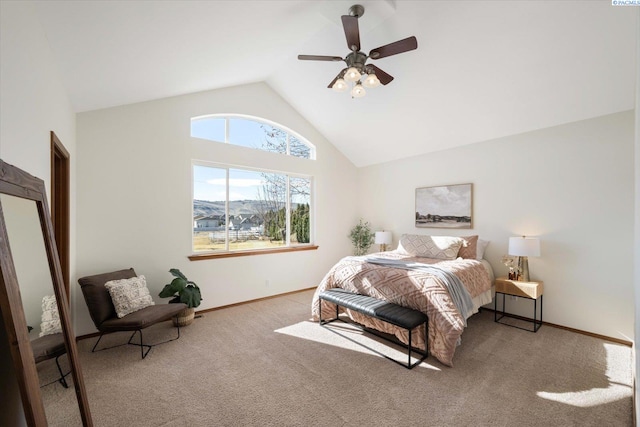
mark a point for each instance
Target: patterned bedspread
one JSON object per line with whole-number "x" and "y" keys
{"x": 410, "y": 288}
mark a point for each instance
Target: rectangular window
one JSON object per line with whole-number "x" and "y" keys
{"x": 239, "y": 209}
{"x": 300, "y": 202}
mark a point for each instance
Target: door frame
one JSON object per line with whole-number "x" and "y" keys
{"x": 60, "y": 200}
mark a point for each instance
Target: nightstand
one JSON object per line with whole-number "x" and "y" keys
{"x": 530, "y": 290}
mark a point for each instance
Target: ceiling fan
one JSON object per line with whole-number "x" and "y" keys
{"x": 356, "y": 60}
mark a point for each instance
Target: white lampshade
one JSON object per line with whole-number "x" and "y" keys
{"x": 358, "y": 91}
{"x": 352, "y": 75}
{"x": 340, "y": 85}
{"x": 383, "y": 238}
{"x": 371, "y": 81}
{"x": 524, "y": 246}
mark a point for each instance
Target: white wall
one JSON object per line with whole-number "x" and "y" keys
{"x": 148, "y": 139}
{"x": 571, "y": 185}
{"x": 33, "y": 102}
{"x": 134, "y": 196}
{"x": 636, "y": 262}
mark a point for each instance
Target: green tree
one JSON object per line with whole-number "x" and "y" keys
{"x": 300, "y": 223}
{"x": 275, "y": 141}
{"x": 273, "y": 195}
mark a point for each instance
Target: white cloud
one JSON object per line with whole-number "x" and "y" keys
{"x": 236, "y": 182}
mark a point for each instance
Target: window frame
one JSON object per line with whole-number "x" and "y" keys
{"x": 287, "y": 247}
{"x": 226, "y": 117}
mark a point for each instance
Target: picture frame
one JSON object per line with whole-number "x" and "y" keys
{"x": 444, "y": 206}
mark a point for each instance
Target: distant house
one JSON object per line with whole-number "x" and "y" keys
{"x": 208, "y": 222}
{"x": 242, "y": 222}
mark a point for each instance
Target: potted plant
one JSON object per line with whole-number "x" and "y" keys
{"x": 361, "y": 237}
{"x": 185, "y": 291}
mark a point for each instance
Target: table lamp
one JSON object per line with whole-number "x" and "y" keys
{"x": 383, "y": 238}
{"x": 524, "y": 247}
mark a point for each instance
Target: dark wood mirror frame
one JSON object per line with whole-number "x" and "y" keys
{"x": 16, "y": 182}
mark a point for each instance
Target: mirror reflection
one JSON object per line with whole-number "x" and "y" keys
{"x": 38, "y": 299}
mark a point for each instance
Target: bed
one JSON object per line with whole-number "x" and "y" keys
{"x": 404, "y": 277}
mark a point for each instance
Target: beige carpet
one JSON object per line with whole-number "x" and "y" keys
{"x": 266, "y": 364}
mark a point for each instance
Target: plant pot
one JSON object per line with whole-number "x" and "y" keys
{"x": 185, "y": 317}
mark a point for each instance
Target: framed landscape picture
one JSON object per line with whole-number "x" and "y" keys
{"x": 446, "y": 206}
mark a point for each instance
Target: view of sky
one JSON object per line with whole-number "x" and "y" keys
{"x": 243, "y": 132}
{"x": 209, "y": 182}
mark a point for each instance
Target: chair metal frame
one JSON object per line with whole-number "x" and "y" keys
{"x": 141, "y": 344}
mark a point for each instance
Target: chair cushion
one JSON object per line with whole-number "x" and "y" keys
{"x": 142, "y": 318}
{"x": 97, "y": 296}
{"x": 48, "y": 347}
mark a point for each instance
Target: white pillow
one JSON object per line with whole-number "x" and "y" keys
{"x": 50, "y": 316}
{"x": 482, "y": 245}
{"x": 129, "y": 295}
{"x": 440, "y": 247}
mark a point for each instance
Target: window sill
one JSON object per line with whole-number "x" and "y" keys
{"x": 251, "y": 253}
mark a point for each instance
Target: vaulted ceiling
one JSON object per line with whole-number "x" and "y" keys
{"x": 482, "y": 70}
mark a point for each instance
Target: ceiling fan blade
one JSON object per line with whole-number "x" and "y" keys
{"x": 319, "y": 58}
{"x": 384, "y": 78}
{"x": 351, "y": 32}
{"x": 340, "y": 74}
{"x": 404, "y": 45}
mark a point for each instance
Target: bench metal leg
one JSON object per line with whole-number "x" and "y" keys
{"x": 409, "y": 347}
{"x": 426, "y": 337}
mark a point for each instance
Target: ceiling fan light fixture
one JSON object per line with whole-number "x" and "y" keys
{"x": 352, "y": 75}
{"x": 371, "y": 81}
{"x": 358, "y": 91}
{"x": 340, "y": 86}
{"x": 358, "y": 74}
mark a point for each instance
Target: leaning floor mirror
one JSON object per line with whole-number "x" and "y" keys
{"x": 31, "y": 289}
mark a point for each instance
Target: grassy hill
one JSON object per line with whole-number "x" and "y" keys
{"x": 237, "y": 207}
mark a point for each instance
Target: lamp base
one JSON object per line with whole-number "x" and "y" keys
{"x": 383, "y": 247}
{"x": 523, "y": 269}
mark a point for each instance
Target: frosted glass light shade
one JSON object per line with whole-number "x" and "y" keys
{"x": 524, "y": 246}
{"x": 371, "y": 81}
{"x": 358, "y": 91}
{"x": 352, "y": 75}
{"x": 340, "y": 85}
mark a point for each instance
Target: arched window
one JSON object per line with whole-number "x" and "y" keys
{"x": 239, "y": 209}
{"x": 252, "y": 132}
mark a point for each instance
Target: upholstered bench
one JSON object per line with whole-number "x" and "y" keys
{"x": 403, "y": 317}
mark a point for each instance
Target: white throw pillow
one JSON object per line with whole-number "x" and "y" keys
{"x": 129, "y": 295}
{"x": 440, "y": 247}
{"x": 482, "y": 245}
{"x": 50, "y": 316}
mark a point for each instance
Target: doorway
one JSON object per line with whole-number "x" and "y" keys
{"x": 60, "y": 178}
